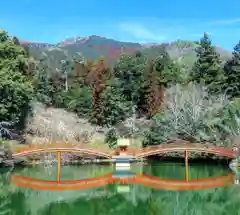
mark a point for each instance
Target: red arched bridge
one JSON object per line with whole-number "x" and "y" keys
{"x": 135, "y": 152}
{"x": 154, "y": 182}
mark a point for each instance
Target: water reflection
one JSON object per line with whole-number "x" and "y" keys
{"x": 153, "y": 182}
{"x": 126, "y": 198}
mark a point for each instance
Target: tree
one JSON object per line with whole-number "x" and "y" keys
{"x": 152, "y": 90}
{"x": 78, "y": 100}
{"x": 81, "y": 69}
{"x": 16, "y": 88}
{"x": 115, "y": 107}
{"x": 232, "y": 73}
{"x": 129, "y": 71}
{"x": 66, "y": 70}
{"x": 44, "y": 86}
{"x": 207, "y": 69}
{"x": 97, "y": 78}
{"x": 159, "y": 73}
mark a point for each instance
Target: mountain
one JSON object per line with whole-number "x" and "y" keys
{"x": 93, "y": 47}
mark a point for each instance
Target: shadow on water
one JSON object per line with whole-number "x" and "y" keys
{"x": 125, "y": 196}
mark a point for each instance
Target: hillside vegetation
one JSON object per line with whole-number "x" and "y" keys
{"x": 94, "y": 46}
{"x": 151, "y": 94}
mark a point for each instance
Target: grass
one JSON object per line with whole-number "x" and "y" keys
{"x": 11, "y": 144}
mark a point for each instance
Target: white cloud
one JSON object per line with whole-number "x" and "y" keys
{"x": 140, "y": 32}
{"x": 225, "y": 22}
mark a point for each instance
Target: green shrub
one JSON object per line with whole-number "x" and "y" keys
{"x": 111, "y": 138}
{"x": 78, "y": 100}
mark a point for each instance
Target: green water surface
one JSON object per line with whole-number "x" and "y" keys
{"x": 110, "y": 200}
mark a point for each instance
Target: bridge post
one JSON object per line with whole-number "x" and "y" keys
{"x": 236, "y": 179}
{"x": 236, "y": 149}
{"x": 186, "y": 165}
{"x": 59, "y": 166}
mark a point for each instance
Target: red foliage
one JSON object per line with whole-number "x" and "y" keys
{"x": 98, "y": 79}
{"x": 154, "y": 92}
{"x": 89, "y": 63}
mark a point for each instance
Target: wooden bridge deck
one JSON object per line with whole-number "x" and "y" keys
{"x": 136, "y": 152}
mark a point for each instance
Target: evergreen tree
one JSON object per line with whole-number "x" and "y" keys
{"x": 44, "y": 84}
{"x": 167, "y": 71}
{"x": 129, "y": 70}
{"x": 232, "y": 73}
{"x": 16, "y": 88}
{"x": 207, "y": 69}
{"x": 115, "y": 108}
{"x": 78, "y": 100}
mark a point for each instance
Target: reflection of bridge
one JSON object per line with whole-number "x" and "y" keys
{"x": 104, "y": 180}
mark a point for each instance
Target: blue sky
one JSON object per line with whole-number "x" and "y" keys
{"x": 126, "y": 20}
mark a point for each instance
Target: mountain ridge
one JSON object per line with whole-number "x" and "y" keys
{"x": 92, "y": 47}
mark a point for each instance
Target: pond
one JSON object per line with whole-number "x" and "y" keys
{"x": 119, "y": 199}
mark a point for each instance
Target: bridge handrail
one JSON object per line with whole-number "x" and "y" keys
{"x": 208, "y": 148}
{"x": 56, "y": 145}
{"x": 162, "y": 148}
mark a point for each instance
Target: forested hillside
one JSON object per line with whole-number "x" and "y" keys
{"x": 95, "y": 46}
{"x": 182, "y": 90}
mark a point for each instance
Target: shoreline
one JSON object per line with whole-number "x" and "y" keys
{"x": 199, "y": 160}
{"x": 6, "y": 159}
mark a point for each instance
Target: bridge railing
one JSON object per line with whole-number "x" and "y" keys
{"x": 73, "y": 148}
{"x": 197, "y": 147}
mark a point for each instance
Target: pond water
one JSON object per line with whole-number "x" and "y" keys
{"x": 117, "y": 199}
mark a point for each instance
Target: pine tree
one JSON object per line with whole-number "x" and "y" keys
{"x": 207, "y": 69}
{"x": 167, "y": 71}
{"x": 232, "y": 73}
{"x": 115, "y": 108}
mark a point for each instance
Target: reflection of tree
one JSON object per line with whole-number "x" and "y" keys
{"x": 106, "y": 201}
{"x": 40, "y": 200}
{"x": 217, "y": 201}
{"x": 5, "y": 192}
{"x": 68, "y": 172}
{"x": 177, "y": 171}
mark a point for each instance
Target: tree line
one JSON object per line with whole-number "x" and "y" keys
{"x": 106, "y": 94}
